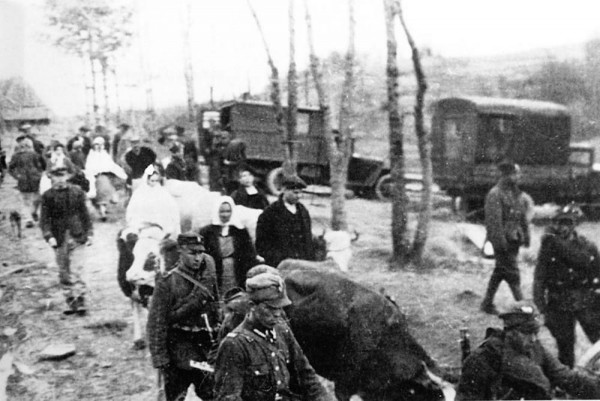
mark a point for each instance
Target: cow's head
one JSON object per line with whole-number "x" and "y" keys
{"x": 146, "y": 253}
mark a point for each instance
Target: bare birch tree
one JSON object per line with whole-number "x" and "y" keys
{"x": 339, "y": 144}
{"x": 275, "y": 88}
{"x": 289, "y": 166}
{"x": 400, "y": 242}
{"x": 187, "y": 59}
{"x": 424, "y": 143}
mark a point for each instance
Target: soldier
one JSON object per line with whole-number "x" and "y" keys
{"x": 566, "y": 284}
{"x": 507, "y": 210}
{"x": 182, "y": 314}
{"x": 512, "y": 364}
{"x": 67, "y": 228}
{"x": 260, "y": 360}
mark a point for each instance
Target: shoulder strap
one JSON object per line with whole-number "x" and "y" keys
{"x": 192, "y": 280}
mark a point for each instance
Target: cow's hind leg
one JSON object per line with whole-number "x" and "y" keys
{"x": 139, "y": 342}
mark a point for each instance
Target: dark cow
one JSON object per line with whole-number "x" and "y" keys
{"x": 356, "y": 337}
{"x": 353, "y": 336}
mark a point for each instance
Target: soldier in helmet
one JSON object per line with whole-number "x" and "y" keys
{"x": 566, "y": 286}
{"x": 512, "y": 364}
{"x": 182, "y": 314}
{"x": 260, "y": 360}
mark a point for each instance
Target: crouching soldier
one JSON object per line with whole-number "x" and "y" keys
{"x": 512, "y": 364}
{"x": 260, "y": 360}
{"x": 566, "y": 286}
{"x": 183, "y": 312}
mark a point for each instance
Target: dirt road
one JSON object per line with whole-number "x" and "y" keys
{"x": 438, "y": 299}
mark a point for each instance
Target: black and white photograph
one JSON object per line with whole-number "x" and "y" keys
{"x": 299, "y": 200}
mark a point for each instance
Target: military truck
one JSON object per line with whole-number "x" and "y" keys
{"x": 470, "y": 135}
{"x": 254, "y": 123}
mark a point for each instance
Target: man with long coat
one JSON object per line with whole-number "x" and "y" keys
{"x": 507, "y": 210}
{"x": 566, "y": 283}
{"x": 283, "y": 230}
{"x": 181, "y": 318}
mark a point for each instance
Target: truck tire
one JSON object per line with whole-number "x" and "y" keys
{"x": 383, "y": 188}
{"x": 273, "y": 181}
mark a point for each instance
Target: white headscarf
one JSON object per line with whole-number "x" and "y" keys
{"x": 233, "y": 221}
{"x": 99, "y": 161}
{"x": 153, "y": 205}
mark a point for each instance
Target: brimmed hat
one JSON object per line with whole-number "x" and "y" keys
{"x": 59, "y": 170}
{"x": 267, "y": 288}
{"x": 293, "y": 182}
{"x": 84, "y": 129}
{"x": 522, "y": 316}
{"x": 24, "y": 126}
{"x": 98, "y": 141}
{"x": 507, "y": 167}
{"x": 191, "y": 240}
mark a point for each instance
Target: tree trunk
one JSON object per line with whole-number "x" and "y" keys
{"x": 104, "y": 69}
{"x": 424, "y": 142}
{"x": 188, "y": 66}
{"x": 275, "y": 90}
{"x": 117, "y": 91}
{"x": 400, "y": 243}
{"x": 144, "y": 70}
{"x": 289, "y": 168}
{"x": 94, "y": 81}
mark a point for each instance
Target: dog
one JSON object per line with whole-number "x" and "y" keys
{"x": 15, "y": 222}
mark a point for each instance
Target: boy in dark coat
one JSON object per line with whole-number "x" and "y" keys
{"x": 67, "y": 228}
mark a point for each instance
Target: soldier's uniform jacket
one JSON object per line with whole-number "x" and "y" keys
{"x": 494, "y": 371}
{"x": 506, "y": 210}
{"x": 567, "y": 274}
{"x": 65, "y": 209}
{"x": 175, "y": 318}
{"x": 281, "y": 234}
{"x": 255, "y": 365}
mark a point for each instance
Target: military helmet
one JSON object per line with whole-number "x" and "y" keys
{"x": 570, "y": 213}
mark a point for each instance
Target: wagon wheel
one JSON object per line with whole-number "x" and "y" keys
{"x": 274, "y": 180}
{"x": 591, "y": 359}
{"x": 384, "y": 187}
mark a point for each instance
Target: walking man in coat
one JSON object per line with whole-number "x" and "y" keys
{"x": 507, "y": 211}
{"x": 260, "y": 360}
{"x": 512, "y": 364}
{"x": 67, "y": 228}
{"x": 566, "y": 284}
{"x": 283, "y": 230}
{"x": 182, "y": 314}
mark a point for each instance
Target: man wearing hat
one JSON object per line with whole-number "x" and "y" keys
{"x": 512, "y": 364}
{"x": 247, "y": 193}
{"x": 566, "y": 284}
{"x": 181, "y": 318}
{"x": 67, "y": 228}
{"x": 507, "y": 211}
{"x": 83, "y": 136}
{"x": 26, "y": 132}
{"x": 283, "y": 230}
{"x": 137, "y": 158}
{"x": 260, "y": 360}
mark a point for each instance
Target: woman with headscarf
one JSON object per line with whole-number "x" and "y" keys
{"x": 229, "y": 243}
{"x": 100, "y": 170}
{"x": 151, "y": 203}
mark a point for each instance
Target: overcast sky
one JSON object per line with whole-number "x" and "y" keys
{"x": 228, "y": 52}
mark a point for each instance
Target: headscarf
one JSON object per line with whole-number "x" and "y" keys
{"x": 99, "y": 161}
{"x": 233, "y": 220}
{"x": 153, "y": 205}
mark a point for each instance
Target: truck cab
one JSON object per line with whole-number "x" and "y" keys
{"x": 255, "y": 123}
{"x": 470, "y": 135}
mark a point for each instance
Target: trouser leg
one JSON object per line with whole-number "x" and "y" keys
{"x": 589, "y": 319}
{"x": 177, "y": 382}
{"x": 28, "y": 202}
{"x": 69, "y": 258}
{"x": 562, "y": 327}
{"x": 490, "y": 293}
{"x": 507, "y": 262}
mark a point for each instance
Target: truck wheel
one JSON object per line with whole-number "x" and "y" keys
{"x": 383, "y": 188}
{"x": 274, "y": 179}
